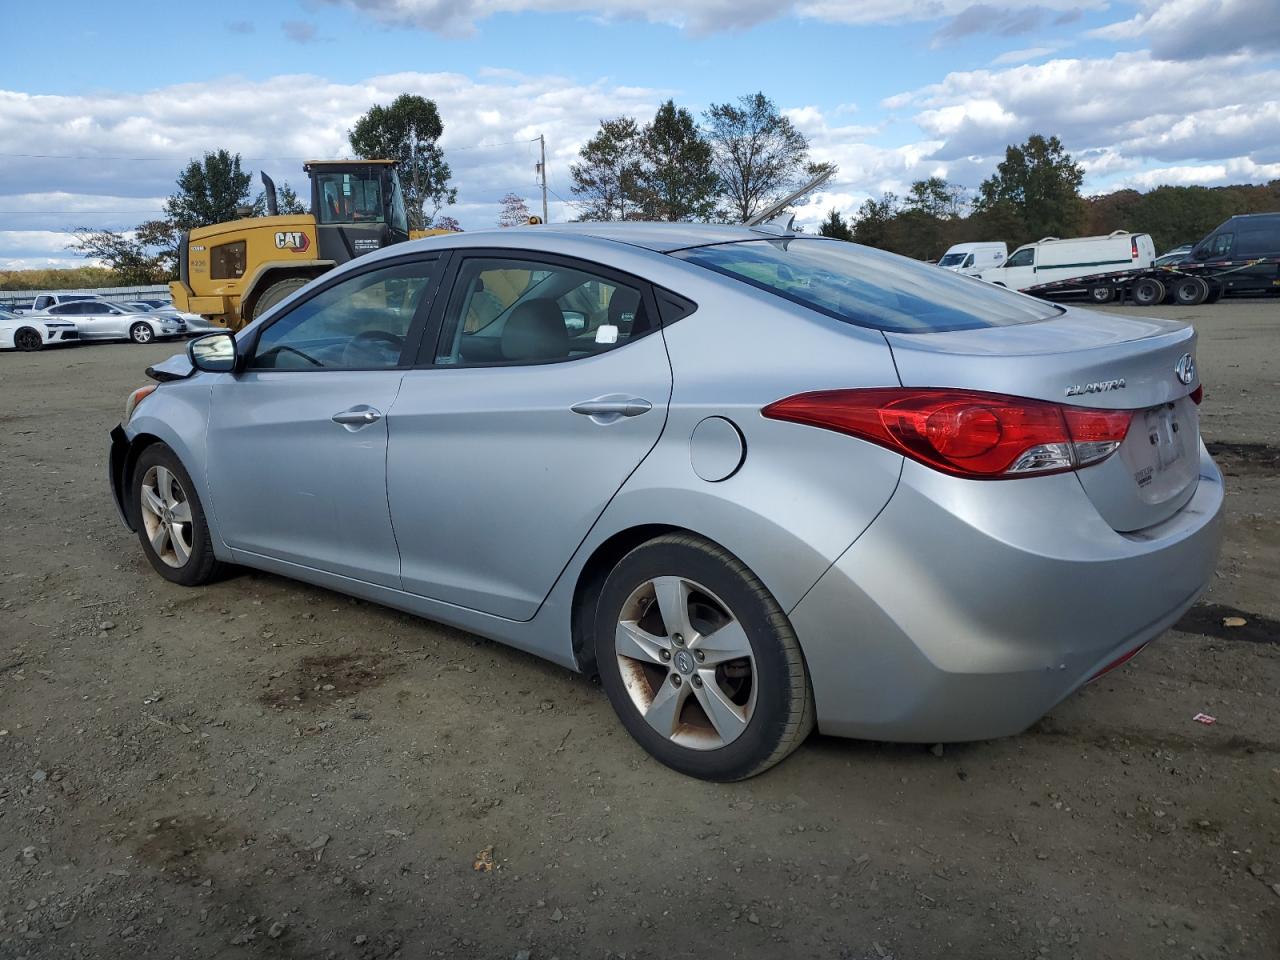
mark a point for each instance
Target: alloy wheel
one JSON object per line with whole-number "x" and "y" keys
{"x": 686, "y": 663}
{"x": 141, "y": 333}
{"x": 27, "y": 339}
{"x": 166, "y": 516}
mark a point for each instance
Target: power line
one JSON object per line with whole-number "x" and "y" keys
{"x": 171, "y": 159}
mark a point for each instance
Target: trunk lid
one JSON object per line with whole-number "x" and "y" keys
{"x": 1087, "y": 359}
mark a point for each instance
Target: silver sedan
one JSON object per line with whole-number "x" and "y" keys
{"x": 103, "y": 320}
{"x": 755, "y": 481}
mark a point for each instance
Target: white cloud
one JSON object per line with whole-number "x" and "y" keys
{"x": 1137, "y": 106}
{"x": 1192, "y": 29}
{"x": 1022, "y": 56}
{"x": 1237, "y": 170}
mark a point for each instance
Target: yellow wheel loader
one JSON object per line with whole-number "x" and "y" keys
{"x": 233, "y": 272}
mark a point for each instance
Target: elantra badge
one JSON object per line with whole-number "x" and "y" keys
{"x": 1102, "y": 386}
{"x": 1185, "y": 369}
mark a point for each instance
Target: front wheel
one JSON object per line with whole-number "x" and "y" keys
{"x": 699, "y": 661}
{"x": 171, "y": 521}
{"x": 141, "y": 333}
{"x": 28, "y": 339}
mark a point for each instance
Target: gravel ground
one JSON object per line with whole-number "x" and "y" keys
{"x": 262, "y": 768}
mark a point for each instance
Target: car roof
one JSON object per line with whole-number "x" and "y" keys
{"x": 660, "y": 237}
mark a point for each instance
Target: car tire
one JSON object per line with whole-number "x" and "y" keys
{"x": 1148, "y": 292}
{"x": 141, "y": 333}
{"x": 170, "y": 519}
{"x": 27, "y": 339}
{"x": 277, "y": 292}
{"x": 721, "y": 692}
{"x": 1102, "y": 293}
{"x": 1190, "y": 291}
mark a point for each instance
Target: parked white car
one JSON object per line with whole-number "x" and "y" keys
{"x": 971, "y": 259}
{"x": 100, "y": 320}
{"x": 1052, "y": 259}
{"x": 23, "y": 332}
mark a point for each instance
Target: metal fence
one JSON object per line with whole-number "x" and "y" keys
{"x": 156, "y": 291}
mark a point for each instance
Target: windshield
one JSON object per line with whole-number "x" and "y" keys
{"x": 951, "y": 260}
{"x": 869, "y": 287}
{"x": 349, "y": 197}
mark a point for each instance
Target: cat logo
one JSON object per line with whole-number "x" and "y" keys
{"x": 294, "y": 240}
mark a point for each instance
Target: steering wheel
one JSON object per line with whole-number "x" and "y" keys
{"x": 357, "y": 348}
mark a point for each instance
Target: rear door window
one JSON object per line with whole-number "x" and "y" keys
{"x": 867, "y": 287}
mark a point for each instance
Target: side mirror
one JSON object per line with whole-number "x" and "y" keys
{"x": 213, "y": 353}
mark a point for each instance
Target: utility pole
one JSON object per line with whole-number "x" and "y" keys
{"x": 542, "y": 169}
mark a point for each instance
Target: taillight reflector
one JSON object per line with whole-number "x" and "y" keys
{"x": 1133, "y": 247}
{"x": 966, "y": 433}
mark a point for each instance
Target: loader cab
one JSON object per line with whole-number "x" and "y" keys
{"x": 358, "y": 207}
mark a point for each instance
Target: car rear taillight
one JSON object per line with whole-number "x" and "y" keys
{"x": 966, "y": 433}
{"x": 1197, "y": 395}
{"x": 1133, "y": 247}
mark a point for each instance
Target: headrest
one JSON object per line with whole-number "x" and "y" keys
{"x": 535, "y": 331}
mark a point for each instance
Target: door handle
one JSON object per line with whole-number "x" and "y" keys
{"x": 357, "y": 417}
{"x": 631, "y": 407}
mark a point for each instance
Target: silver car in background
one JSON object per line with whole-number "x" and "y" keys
{"x": 103, "y": 320}
{"x": 755, "y": 481}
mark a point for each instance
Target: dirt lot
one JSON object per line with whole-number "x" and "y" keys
{"x": 265, "y": 769}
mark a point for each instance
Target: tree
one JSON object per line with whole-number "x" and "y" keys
{"x": 835, "y": 227}
{"x": 933, "y": 197}
{"x": 288, "y": 201}
{"x": 209, "y": 191}
{"x": 676, "y": 180}
{"x": 514, "y": 211}
{"x": 1040, "y": 183}
{"x": 408, "y": 131}
{"x": 448, "y": 223}
{"x": 872, "y": 224}
{"x": 147, "y": 254}
{"x": 756, "y": 152}
{"x": 608, "y": 176}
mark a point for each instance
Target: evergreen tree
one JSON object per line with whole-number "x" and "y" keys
{"x": 209, "y": 191}
{"x": 835, "y": 227}
{"x": 1039, "y": 184}
{"x": 608, "y": 177}
{"x": 675, "y": 180}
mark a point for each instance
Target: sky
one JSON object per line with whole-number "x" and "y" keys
{"x": 96, "y": 123}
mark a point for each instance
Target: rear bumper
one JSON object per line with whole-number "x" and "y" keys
{"x": 968, "y": 610}
{"x": 117, "y": 459}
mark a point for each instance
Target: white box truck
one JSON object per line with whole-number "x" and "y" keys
{"x": 1053, "y": 261}
{"x": 972, "y": 258}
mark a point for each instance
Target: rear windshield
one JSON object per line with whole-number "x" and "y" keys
{"x": 869, "y": 287}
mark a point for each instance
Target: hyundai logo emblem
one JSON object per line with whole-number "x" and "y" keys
{"x": 1185, "y": 369}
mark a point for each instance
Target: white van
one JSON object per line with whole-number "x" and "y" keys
{"x": 972, "y": 258}
{"x": 1052, "y": 259}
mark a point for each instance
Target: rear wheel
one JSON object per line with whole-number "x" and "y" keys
{"x": 699, "y": 661}
{"x": 1102, "y": 293}
{"x": 141, "y": 333}
{"x": 27, "y": 339}
{"x": 171, "y": 521}
{"x": 277, "y": 292}
{"x": 1147, "y": 292}
{"x": 1190, "y": 291}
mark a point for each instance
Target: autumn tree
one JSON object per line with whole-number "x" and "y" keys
{"x": 757, "y": 153}
{"x": 409, "y": 131}
{"x": 515, "y": 211}
{"x": 607, "y": 179}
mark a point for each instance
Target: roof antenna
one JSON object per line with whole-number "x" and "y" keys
{"x": 771, "y": 215}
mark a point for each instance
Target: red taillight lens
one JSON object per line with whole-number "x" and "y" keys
{"x": 966, "y": 433}
{"x": 1133, "y": 248}
{"x": 1197, "y": 395}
